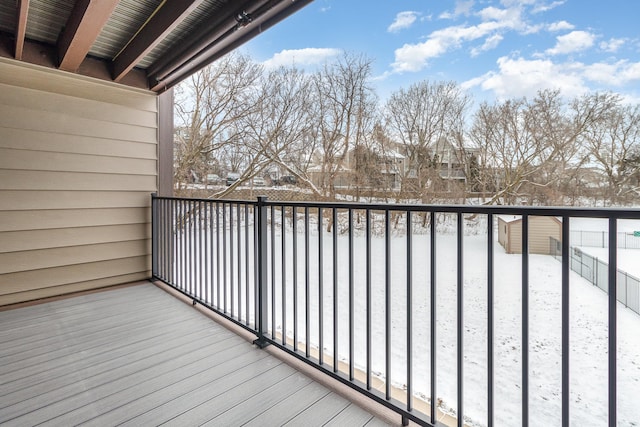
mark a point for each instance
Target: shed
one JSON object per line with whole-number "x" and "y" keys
{"x": 541, "y": 229}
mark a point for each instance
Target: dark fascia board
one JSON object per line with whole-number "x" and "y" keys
{"x": 201, "y": 37}
{"x": 272, "y": 13}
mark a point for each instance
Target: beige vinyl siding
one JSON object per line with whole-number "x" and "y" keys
{"x": 515, "y": 237}
{"x": 540, "y": 229}
{"x": 78, "y": 161}
{"x": 84, "y": 285}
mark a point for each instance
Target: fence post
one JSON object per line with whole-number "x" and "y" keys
{"x": 262, "y": 301}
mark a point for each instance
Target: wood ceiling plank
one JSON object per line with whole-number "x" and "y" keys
{"x": 82, "y": 29}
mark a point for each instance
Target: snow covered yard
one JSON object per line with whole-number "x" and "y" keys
{"x": 588, "y": 313}
{"x": 589, "y": 336}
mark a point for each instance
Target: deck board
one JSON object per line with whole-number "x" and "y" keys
{"x": 138, "y": 356}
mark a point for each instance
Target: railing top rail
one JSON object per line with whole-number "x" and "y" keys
{"x": 619, "y": 213}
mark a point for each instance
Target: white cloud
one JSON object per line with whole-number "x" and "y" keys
{"x": 518, "y": 77}
{"x": 462, "y": 8}
{"x": 495, "y": 14}
{"x": 403, "y": 20}
{"x": 560, "y": 26}
{"x": 575, "y": 41}
{"x": 414, "y": 57}
{"x": 612, "y": 45}
{"x": 301, "y": 57}
{"x": 545, "y": 7}
{"x": 490, "y": 43}
{"x": 522, "y": 77}
{"x": 617, "y": 74}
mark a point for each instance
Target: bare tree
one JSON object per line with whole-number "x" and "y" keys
{"x": 511, "y": 153}
{"x": 613, "y": 142}
{"x": 421, "y": 116}
{"x": 276, "y": 131}
{"x": 533, "y": 150}
{"x": 207, "y": 108}
{"x": 344, "y": 108}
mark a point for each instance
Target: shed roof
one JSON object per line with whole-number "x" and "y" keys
{"x": 515, "y": 218}
{"x": 152, "y": 44}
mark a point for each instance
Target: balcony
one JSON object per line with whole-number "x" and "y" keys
{"x": 401, "y": 305}
{"x": 135, "y": 355}
{"x": 412, "y": 305}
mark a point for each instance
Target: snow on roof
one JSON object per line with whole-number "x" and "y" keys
{"x": 513, "y": 218}
{"x": 394, "y": 154}
{"x": 510, "y": 218}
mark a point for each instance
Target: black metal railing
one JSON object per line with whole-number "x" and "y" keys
{"x": 355, "y": 290}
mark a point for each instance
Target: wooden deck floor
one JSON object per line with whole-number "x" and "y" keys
{"x": 138, "y": 356}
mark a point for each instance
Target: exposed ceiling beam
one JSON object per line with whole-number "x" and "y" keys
{"x": 261, "y": 19}
{"x": 83, "y": 27}
{"x": 164, "y": 20}
{"x": 21, "y": 27}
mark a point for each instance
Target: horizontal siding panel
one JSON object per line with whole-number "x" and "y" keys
{"x": 16, "y": 241}
{"x": 31, "y": 295}
{"x": 67, "y": 162}
{"x": 78, "y": 161}
{"x": 78, "y": 144}
{"x": 48, "y": 80}
{"x": 23, "y": 118}
{"x": 47, "y": 258}
{"x": 72, "y": 218}
{"x": 16, "y": 200}
{"x": 46, "y": 180}
{"x": 52, "y": 277}
{"x": 77, "y": 107}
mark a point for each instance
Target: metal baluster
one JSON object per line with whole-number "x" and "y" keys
{"x": 566, "y": 321}
{"x": 387, "y": 305}
{"x": 335, "y": 289}
{"x": 525, "y": 320}
{"x": 433, "y": 344}
{"x": 320, "y": 293}
{"x": 306, "y": 280}
{"x": 490, "y": 322}
{"x": 284, "y": 275}
{"x": 613, "y": 325}
{"x": 351, "y": 298}
{"x": 409, "y": 314}
{"x": 231, "y": 264}
{"x": 460, "y": 321}
{"x": 294, "y": 226}
{"x": 368, "y": 294}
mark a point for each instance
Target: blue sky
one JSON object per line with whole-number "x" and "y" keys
{"x": 497, "y": 49}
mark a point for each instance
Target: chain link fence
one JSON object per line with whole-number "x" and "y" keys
{"x": 596, "y": 271}
{"x": 600, "y": 239}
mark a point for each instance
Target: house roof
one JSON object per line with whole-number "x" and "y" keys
{"x": 151, "y": 44}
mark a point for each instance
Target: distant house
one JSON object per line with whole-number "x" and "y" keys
{"x": 444, "y": 156}
{"x": 541, "y": 229}
{"x": 389, "y": 167}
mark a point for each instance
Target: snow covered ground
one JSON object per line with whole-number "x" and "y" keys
{"x": 588, "y": 329}
{"x": 628, "y": 259}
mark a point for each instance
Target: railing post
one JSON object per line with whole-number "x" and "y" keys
{"x": 261, "y": 302}
{"x": 154, "y": 235}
